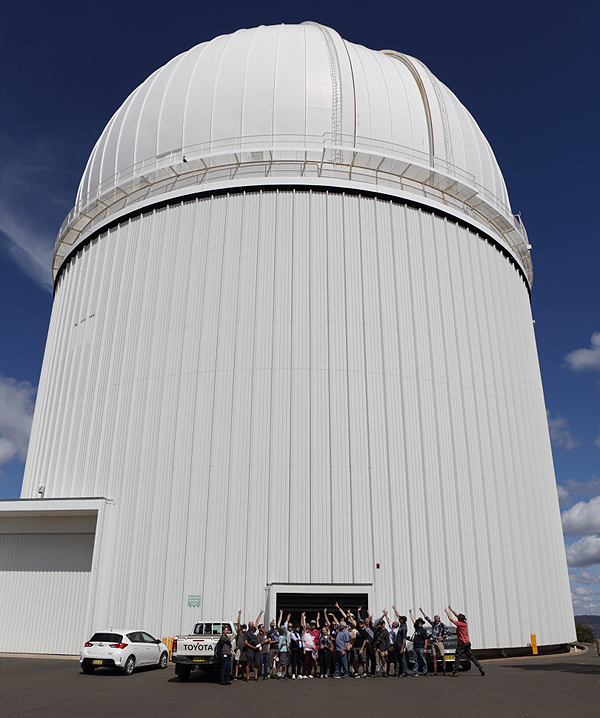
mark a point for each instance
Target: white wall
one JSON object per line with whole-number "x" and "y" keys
{"x": 44, "y": 583}
{"x": 291, "y": 387}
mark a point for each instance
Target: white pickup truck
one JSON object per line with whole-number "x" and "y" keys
{"x": 197, "y": 650}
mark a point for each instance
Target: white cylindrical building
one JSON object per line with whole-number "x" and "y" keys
{"x": 292, "y": 343}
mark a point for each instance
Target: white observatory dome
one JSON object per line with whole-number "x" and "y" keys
{"x": 292, "y": 104}
{"x": 291, "y": 361}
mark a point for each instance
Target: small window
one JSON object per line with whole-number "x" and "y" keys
{"x": 135, "y": 637}
{"x": 106, "y": 638}
{"x": 199, "y": 628}
{"x": 148, "y": 638}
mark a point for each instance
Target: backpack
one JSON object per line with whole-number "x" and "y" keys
{"x": 217, "y": 651}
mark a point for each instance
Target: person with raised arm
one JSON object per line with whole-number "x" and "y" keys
{"x": 370, "y": 650}
{"x": 420, "y": 642}
{"x": 296, "y": 651}
{"x": 325, "y": 650}
{"x": 310, "y": 649}
{"x": 240, "y": 653}
{"x": 273, "y": 637}
{"x": 333, "y": 629}
{"x": 359, "y": 651}
{"x": 392, "y": 658}
{"x": 252, "y": 648}
{"x": 283, "y": 645}
{"x": 401, "y": 638}
{"x": 381, "y": 643}
{"x": 464, "y": 642}
{"x": 439, "y": 632}
{"x": 263, "y": 652}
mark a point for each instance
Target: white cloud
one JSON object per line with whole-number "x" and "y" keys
{"x": 560, "y": 434}
{"x": 16, "y": 412}
{"x": 583, "y": 519}
{"x": 584, "y": 552}
{"x": 32, "y": 252}
{"x": 30, "y": 178}
{"x": 581, "y": 592}
{"x": 582, "y": 359}
{"x": 591, "y": 607}
{"x": 585, "y": 577}
{"x": 563, "y": 495}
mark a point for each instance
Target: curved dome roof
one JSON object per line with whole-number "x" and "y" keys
{"x": 286, "y": 94}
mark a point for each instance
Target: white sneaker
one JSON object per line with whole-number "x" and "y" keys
{"x": 311, "y": 676}
{"x": 294, "y": 677}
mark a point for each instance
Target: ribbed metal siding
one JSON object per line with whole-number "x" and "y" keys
{"x": 293, "y": 386}
{"x": 44, "y": 582}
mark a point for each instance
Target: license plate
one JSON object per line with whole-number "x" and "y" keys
{"x": 450, "y": 657}
{"x": 199, "y": 660}
{"x": 97, "y": 663}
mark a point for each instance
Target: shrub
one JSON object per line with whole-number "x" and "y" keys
{"x": 585, "y": 634}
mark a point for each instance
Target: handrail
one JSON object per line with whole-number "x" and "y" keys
{"x": 300, "y": 143}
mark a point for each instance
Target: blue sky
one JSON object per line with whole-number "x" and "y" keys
{"x": 527, "y": 71}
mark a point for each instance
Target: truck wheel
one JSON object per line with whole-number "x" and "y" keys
{"x": 184, "y": 674}
{"x": 164, "y": 660}
{"x": 129, "y": 666}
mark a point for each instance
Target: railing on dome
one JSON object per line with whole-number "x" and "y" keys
{"x": 342, "y": 156}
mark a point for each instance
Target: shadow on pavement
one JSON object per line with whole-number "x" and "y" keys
{"x": 580, "y": 668}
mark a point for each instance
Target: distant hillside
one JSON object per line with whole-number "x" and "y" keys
{"x": 591, "y": 620}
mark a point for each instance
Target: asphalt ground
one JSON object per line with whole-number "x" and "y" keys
{"x": 555, "y": 686}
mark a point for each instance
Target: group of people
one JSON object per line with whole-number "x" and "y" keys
{"x": 353, "y": 646}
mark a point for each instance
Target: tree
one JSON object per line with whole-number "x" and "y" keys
{"x": 585, "y": 634}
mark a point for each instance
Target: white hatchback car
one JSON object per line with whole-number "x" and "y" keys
{"x": 123, "y": 649}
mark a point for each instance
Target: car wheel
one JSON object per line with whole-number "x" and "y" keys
{"x": 129, "y": 666}
{"x": 164, "y": 660}
{"x": 184, "y": 675}
{"x": 87, "y": 668}
{"x": 466, "y": 666}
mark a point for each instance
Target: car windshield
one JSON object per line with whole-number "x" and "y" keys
{"x": 210, "y": 629}
{"x": 106, "y": 638}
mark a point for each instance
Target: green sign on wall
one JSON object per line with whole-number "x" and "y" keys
{"x": 194, "y": 601}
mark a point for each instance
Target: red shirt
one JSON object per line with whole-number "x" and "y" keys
{"x": 462, "y": 632}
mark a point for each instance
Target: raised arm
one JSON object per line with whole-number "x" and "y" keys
{"x": 318, "y": 619}
{"x": 326, "y": 619}
{"x": 449, "y": 616}
{"x": 239, "y": 625}
{"x": 453, "y": 611}
{"x": 341, "y": 610}
{"x": 387, "y": 618}
{"x": 411, "y": 614}
{"x": 258, "y": 618}
{"x": 303, "y": 620}
{"x": 396, "y": 611}
{"x": 280, "y": 617}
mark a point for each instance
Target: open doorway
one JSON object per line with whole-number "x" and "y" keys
{"x": 312, "y": 603}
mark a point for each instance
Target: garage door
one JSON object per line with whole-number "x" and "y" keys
{"x": 44, "y": 582}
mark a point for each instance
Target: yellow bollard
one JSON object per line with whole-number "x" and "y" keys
{"x": 169, "y": 644}
{"x": 534, "y": 644}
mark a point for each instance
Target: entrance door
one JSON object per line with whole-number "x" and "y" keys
{"x": 311, "y": 603}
